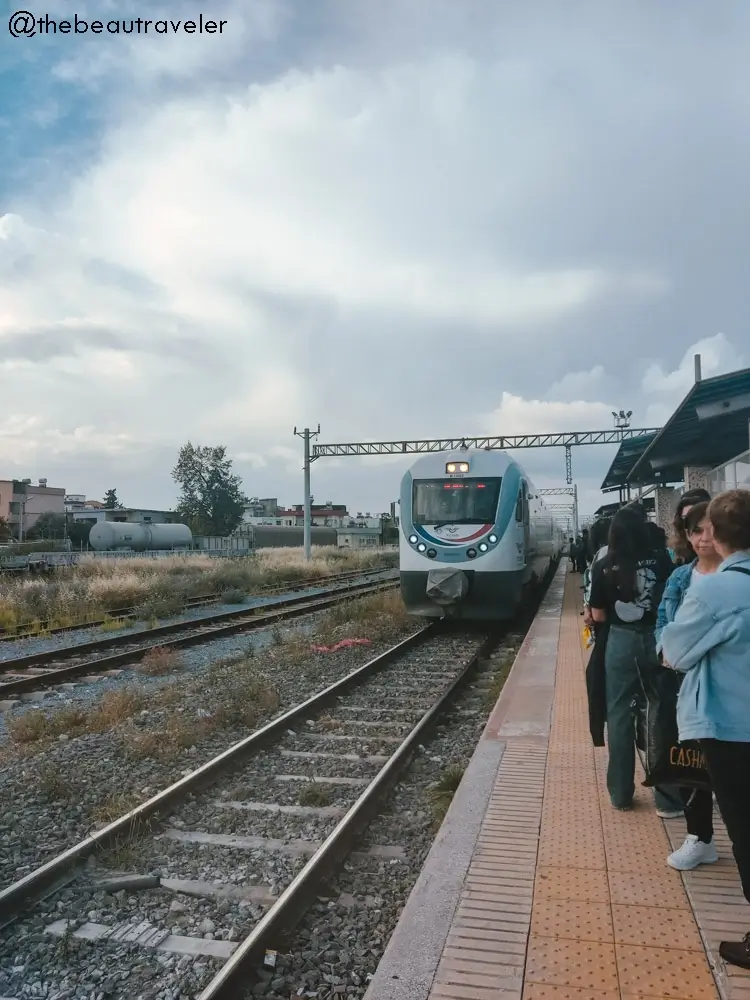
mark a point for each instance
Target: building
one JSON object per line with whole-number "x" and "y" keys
{"x": 22, "y": 503}
{"x": 127, "y": 515}
{"x": 77, "y": 501}
{"x": 324, "y": 515}
{"x": 359, "y": 538}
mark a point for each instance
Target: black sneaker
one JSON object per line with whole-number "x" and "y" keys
{"x": 736, "y": 952}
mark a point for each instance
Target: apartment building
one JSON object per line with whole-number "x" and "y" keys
{"x": 22, "y": 503}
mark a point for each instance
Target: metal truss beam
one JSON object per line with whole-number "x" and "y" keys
{"x": 561, "y": 439}
{"x": 557, "y": 491}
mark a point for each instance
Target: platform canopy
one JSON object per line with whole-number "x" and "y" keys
{"x": 609, "y": 509}
{"x": 710, "y": 426}
{"x": 627, "y": 455}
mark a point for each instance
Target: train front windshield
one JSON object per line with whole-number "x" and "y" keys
{"x": 455, "y": 501}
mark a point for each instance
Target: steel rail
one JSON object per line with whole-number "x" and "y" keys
{"x": 20, "y": 663}
{"x": 231, "y": 980}
{"x": 49, "y": 876}
{"x": 190, "y": 602}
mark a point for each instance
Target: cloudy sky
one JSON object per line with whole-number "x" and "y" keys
{"x": 409, "y": 218}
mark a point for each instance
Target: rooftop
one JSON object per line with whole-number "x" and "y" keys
{"x": 709, "y": 427}
{"x": 627, "y": 455}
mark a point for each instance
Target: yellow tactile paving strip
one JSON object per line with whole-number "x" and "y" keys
{"x": 567, "y": 899}
{"x": 610, "y": 921}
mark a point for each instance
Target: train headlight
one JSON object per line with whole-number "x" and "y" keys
{"x": 421, "y": 547}
{"x": 450, "y": 467}
{"x": 431, "y": 553}
{"x": 471, "y": 553}
{"x": 413, "y": 539}
{"x": 493, "y": 539}
{"x": 483, "y": 546}
{"x": 463, "y": 466}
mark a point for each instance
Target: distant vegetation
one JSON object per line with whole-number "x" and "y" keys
{"x": 211, "y": 498}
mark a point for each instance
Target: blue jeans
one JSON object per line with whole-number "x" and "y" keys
{"x": 629, "y": 650}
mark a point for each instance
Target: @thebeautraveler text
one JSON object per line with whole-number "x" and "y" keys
{"x": 24, "y": 24}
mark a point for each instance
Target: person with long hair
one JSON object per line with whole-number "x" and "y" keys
{"x": 709, "y": 642}
{"x": 680, "y": 548}
{"x": 699, "y": 847}
{"x": 597, "y": 550}
{"x": 626, "y": 588}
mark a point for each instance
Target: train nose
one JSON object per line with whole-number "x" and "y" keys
{"x": 447, "y": 586}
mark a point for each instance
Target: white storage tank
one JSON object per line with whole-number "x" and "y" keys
{"x": 107, "y": 535}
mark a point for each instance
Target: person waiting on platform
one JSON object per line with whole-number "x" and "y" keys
{"x": 626, "y": 589}
{"x": 699, "y": 847}
{"x": 680, "y": 549}
{"x": 581, "y": 551}
{"x": 709, "y": 642}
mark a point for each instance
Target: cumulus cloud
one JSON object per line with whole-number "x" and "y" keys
{"x": 402, "y": 226}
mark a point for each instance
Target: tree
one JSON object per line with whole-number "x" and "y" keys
{"x": 5, "y": 532}
{"x": 47, "y": 525}
{"x": 78, "y": 533}
{"x": 211, "y": 499}
{"x": 110, "y": 501}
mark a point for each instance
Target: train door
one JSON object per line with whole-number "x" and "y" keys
{"x": 522, "y": 526}
{"x": 526, "y": 521}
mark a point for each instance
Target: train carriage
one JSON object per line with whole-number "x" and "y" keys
{"x": 474, "y": 536}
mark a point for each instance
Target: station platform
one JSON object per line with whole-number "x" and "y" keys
{"x": 535, "y": 888}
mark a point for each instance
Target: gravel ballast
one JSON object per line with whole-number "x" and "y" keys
{"x": 354, "y": 919}
{"x": 53, "y": 791}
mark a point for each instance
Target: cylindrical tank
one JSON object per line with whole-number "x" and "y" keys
{"x": 106, "y": 535}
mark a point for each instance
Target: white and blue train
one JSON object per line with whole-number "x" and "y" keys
{"x": 474, "y": 536}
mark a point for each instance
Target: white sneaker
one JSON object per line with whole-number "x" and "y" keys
{"x": 670, "y": 813}
{"x": 693, "y": 853}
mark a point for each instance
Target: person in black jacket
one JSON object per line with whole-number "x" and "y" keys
{"x": 626, "y": 588}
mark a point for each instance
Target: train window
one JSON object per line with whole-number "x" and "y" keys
{"x": 449, "y": 501}
{"x": 519, "y": 506}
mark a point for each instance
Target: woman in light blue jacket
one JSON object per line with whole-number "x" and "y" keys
{"x": 709, "y": 641}
{"x": 698, "y": 546}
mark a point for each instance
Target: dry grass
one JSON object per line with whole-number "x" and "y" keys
{"x": 442, "y": 792}
{"x": 159, "y": 661}
{"x": 499, "y": 678}
{"x": 53, "y": 784}
{"x": 314, "y": 794}
{"x": 113, "y": 708}
{"x": 366, "y": 617}
{"x": 114, "y": 806}
{"x": 160, "y": 587}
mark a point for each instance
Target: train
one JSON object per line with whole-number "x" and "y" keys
{"x": 474, "y": 536}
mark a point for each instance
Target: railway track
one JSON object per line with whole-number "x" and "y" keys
{"x": 27, "y": 631}
{"x": 25, "y": 674}
{"x": 224, "y": 862}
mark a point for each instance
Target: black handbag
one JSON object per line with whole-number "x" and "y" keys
{"x": 665, "y": 759}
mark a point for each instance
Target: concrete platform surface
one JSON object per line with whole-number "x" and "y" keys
{"x": 535, "y": 888}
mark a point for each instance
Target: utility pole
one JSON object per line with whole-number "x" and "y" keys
{"x": 306, "y": 436}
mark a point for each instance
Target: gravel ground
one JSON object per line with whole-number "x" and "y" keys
{"x": 337, "y": 947}
{"x": 12, "y": 648}
{"x": 194, "y": 661}
{"x": 56, "y": 788}
{"x": 343, "y": 938}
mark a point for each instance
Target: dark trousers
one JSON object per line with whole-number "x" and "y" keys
{"x": 629, "y": 654}
{"x": 699, "y": 813}
{"x": 728, "y": 764}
